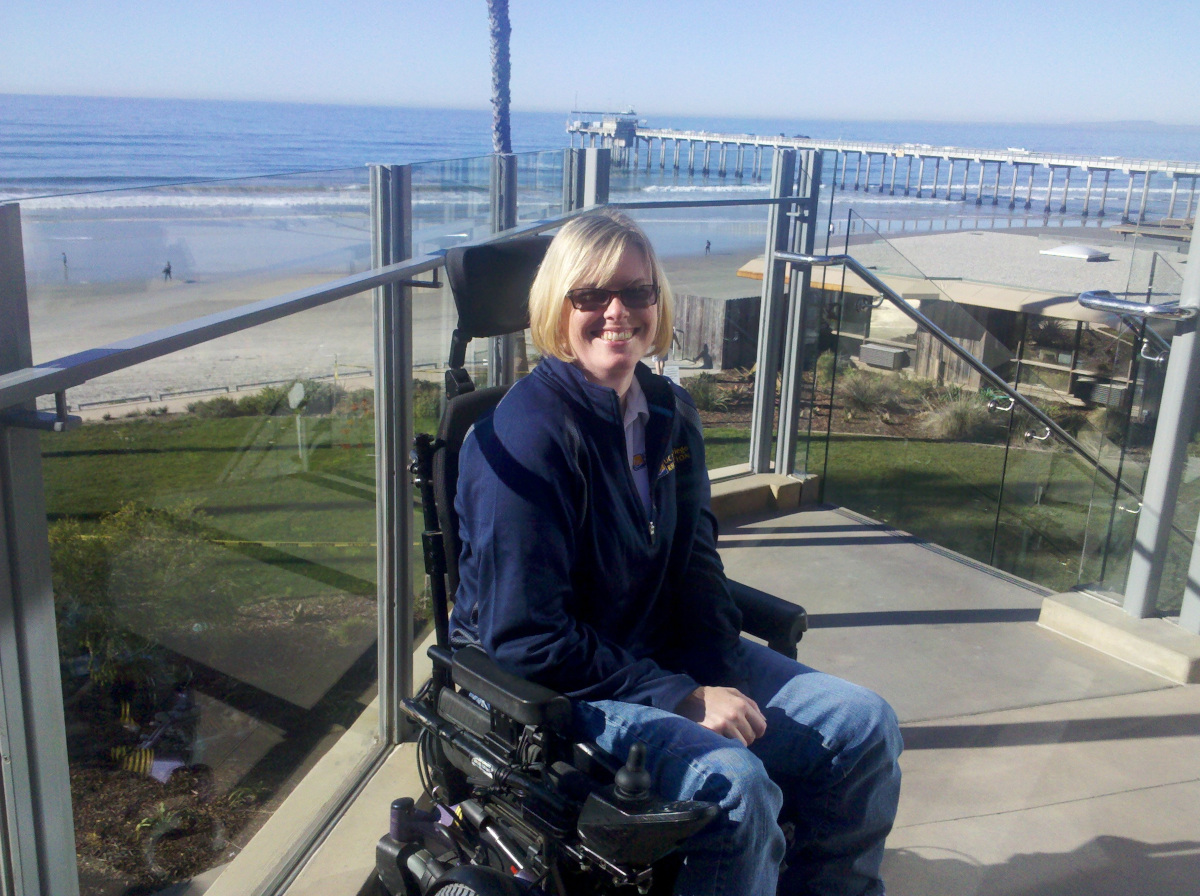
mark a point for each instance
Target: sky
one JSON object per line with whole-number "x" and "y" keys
{"x": 943, "y": 60}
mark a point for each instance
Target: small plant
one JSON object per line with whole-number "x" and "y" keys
{"x": 707, "y": 394}
{"x": 160, "y": 821}
{"x": 828, "y": 364}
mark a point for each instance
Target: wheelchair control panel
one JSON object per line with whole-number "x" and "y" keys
{"x": 513, "y": 806}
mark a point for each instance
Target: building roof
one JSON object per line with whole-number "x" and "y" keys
{"x": 996, "y": 269}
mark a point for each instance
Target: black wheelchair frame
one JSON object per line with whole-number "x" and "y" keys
{"x": 515, "y": 805}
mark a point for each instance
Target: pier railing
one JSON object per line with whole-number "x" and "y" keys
{"x": 741, "y": 155}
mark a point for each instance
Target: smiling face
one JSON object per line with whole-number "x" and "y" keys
{"x": 607, "y": 344}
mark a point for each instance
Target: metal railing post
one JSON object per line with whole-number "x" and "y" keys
{"x": 597, "y": 168}
{"x": 772, "y": 312}
{"x": 37, "y": 829}
{"x": 1168, "y": 456}
{"x": 573, "y": 175}
{"x": 391, "y": 241}
{"x": 803, "y": 240}
{"x": 502, "y": 350}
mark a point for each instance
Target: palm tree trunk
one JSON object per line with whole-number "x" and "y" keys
{"x": 500, "y": 30}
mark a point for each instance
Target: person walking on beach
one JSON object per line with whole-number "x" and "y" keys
{"x": 167, "y": 271}
{"x": 707, "y": 246}
{"x": 66, "y": 274}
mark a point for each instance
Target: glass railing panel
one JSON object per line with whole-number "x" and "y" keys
{"x": 717, "y": 286}
{"x": 1057, "y": 505}
{"x": 101, "y": 267}
{"x": 451, "y": 203}
{"x": 903, "y": 448}
{"x": 539, "y": 185}
{"x": 214, "y": 564}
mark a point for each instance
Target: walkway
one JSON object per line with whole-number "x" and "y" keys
{"x": 1033, "y": 765}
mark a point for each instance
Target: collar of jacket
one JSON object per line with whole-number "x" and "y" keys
{"x": 602, "y": 401}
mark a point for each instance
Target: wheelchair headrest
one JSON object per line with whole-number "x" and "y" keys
{"x": 491, "y": 284}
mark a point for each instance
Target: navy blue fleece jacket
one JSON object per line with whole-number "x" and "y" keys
{"x": 564, "y": 578}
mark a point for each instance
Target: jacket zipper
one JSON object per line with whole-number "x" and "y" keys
{"x": 651, "y": 529}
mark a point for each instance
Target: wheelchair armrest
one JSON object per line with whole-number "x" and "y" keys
{"x": 780, "y": 623}
{"x": 522, "y": 701}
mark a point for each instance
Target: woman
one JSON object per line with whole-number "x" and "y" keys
{"x": 589, "y": 565}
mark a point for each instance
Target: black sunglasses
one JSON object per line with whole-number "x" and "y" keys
{"x": 593, "y": 298}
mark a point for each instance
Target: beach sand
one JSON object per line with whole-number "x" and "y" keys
{"x": 71, "y": 317}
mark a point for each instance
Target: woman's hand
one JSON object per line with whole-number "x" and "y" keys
{"x": 726, "y": 711}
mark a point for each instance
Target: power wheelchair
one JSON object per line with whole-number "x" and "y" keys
{"x": 512, "y": 804}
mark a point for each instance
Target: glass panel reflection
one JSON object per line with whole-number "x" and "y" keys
{"x": 213, "y": 554}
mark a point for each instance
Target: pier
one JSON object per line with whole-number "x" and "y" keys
{"x": 908, "y": 169}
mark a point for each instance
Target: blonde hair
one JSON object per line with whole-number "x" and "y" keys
{"x": 587, "y": 251}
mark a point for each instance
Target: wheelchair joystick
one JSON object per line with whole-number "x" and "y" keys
{"x": 632, "y": 780}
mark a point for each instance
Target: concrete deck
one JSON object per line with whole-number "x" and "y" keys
{"x": 1033, "y": 764}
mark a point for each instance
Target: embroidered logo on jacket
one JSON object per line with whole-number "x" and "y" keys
{"x": 679, "y": 457}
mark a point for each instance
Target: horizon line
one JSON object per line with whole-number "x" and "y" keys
{"x": 541, "y": 110}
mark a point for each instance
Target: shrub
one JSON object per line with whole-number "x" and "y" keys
{"x": 962, "y": 419}
{"x": 221, "y": 406}
{"x": 320, "y": 397}
{"x": 864, "y": 391}
{"x": 706, "y": 393}
{"x": 427, "y": 399}
{"x": 1069, "y": 418}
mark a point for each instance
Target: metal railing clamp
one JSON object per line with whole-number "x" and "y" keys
{"x": 57, "y": 420}
{"x": 435, "y": 283}
{"x": 1030, "y": 437}
{"x": 995, "y": 405}
{"x": 1103, "y": 300}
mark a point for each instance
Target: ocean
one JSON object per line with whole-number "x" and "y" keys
{"x": 54, "y": 145}
{"x": 74, "y": 162}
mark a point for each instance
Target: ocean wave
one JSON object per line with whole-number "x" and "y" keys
{"x": 119, "y": 200}
{"x": 675, "y": 189}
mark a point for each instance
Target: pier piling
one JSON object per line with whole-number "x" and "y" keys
{"x": 1141, "y": 216}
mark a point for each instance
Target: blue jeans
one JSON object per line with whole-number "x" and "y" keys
{"x": 804, "y": 810}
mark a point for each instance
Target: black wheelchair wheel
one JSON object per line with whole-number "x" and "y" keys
{"x": 476, "y": 880}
